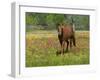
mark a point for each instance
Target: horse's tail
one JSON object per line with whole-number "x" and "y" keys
{"x": 73, "y": 30}
{"x": 73, "y": 27}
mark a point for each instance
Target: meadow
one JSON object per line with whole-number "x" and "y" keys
{"x": 41, "y": 48}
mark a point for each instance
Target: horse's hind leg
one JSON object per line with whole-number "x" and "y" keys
{"x": 74, "y": 41}
{"x": 70, "y": 43}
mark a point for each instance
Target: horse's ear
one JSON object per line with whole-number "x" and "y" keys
{"x": 57, "y": 24}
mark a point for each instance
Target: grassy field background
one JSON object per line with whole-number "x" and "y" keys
{"x": 41, "y": 47}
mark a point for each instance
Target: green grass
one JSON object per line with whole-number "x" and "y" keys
{"x": 41, "y": 47}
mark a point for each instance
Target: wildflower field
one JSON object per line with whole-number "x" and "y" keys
{"x": 41, "y": 48}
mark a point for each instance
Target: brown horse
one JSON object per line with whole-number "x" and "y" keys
{"x": 66, "y": 34}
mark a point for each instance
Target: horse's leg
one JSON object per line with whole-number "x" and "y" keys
{"x": 60, "y": 50}
{"x": 67, "y": 45}
{"x": 62, "y": 43}
{"x": 70, "y": 43}
{"x": 74, "y": 40}
{"x": 63, "y": 46}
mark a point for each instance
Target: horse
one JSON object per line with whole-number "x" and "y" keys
{"x": 66, "y": 34}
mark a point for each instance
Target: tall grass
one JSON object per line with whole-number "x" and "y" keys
{"x": 41, "y": 49}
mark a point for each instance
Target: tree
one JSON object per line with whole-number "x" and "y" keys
{"x": 50, "y": 20}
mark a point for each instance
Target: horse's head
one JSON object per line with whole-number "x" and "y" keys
{"x": 59, "y": 30}
{"x": 60, "y": 27}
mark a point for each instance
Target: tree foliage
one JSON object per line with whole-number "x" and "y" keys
{"x": 50, "y": 21}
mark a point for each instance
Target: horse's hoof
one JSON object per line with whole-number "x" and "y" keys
{"x": 66, "y": 51}
{"x": 58, "y": 52}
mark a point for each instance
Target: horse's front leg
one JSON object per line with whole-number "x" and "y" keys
{"x": 62, "y": 47}
{"x": 67, "y": 45}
